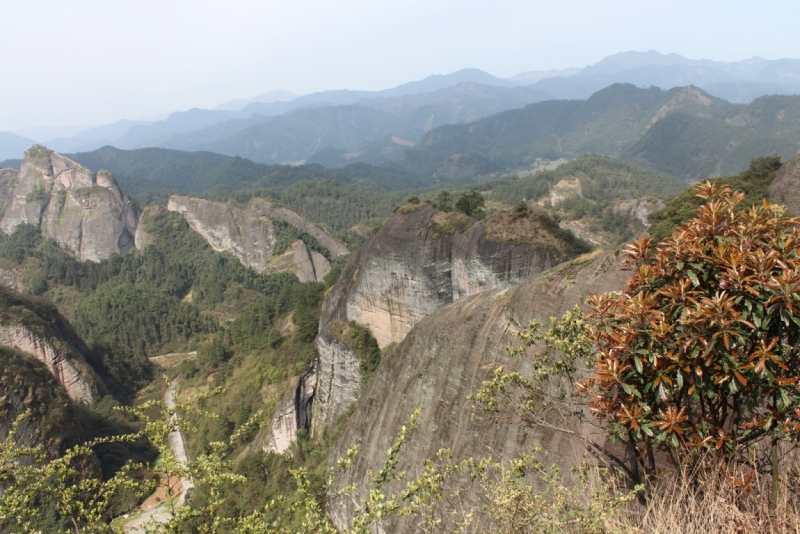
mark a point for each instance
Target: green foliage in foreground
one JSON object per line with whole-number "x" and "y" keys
{"x": 512, "y": 504}
{"x": 700, "y": 352}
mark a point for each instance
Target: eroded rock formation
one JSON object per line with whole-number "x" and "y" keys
{"x": 27, "y": 386}
{"x": 34, "y": 327}
{"x": 292, "y": 414}
{"x": 443, "y": 360}
{"x": 785, "y": 189}
{"x": 249, "y": 234}
{"x": 419, "y": 261}
{"x": 83, "y": 211}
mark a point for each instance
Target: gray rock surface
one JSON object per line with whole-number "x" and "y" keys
{"x": 35, "y": 328}
{"x": 308, "y": 266}
{"x": 248, "y": 233}
{"x": 26, "y": 385}
{"x": 64, "y": 368}
{"x": 81, "y": 210}
{"x": 785, "y": 189}
{"x": 292, "y": 414}
{"x": 443, "y": 360}
{"x": 267, "y": 208}
{"x": 418, "y": 262}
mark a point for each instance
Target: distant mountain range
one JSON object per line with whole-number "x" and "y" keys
{"x": 738, "y": 82}
{"x": 683, "y": 132}
{"x": 339, "y": 127}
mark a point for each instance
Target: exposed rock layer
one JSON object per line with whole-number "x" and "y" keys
{"x": 785, "y": 189}
{"x": 81, "y": 210}
{"x": 248, "y": 233}
{"x": 442, "y": 361}
{"x": 34, "y": 327}
{"x": 26, "y": 385}
{"x": 292, "y": 414}
{"x": 419, "y": 261}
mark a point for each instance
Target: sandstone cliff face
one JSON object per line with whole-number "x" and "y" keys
{"x": 267, "y": 208}
{"x": 419, "y": 261}
{"x": 785, "y": 189}
{"x": 25, "y": 385}
{"x": 484, "y": 259}
{"x": 244, "y": 233}
{"x": 292, "y": 414}
{"x": 61, "y": 366}
{"x": 248, "y": 233}
{"x": 81, "y": 210}
{"x": 442, "y": 361}
{"x": 35, "y": 328}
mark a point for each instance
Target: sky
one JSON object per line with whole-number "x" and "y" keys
{"x": 83, "y": 62}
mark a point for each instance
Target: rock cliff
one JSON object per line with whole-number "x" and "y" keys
{"x": 292, "y": 414}
{"x": 25, "y": 384}
{"x": 419, "y": 261}
{"x": 443, "y": 360}
{"x": 34, "y": 327}
{"x": 785, "y": 189}
{"x": 249, "y": 234}
{"x": 83, "y": 211}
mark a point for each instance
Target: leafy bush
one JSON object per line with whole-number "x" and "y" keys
{"x": 701, "y": 350}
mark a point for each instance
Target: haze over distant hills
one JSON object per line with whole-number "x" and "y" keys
{"x": 279, "y": 127}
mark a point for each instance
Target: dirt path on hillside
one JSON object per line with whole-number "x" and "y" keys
{"x": 161, "y": 513}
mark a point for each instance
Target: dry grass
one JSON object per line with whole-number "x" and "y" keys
{"x": 168, "y": 361}
{"x": 526, "y": 227}
{"x": 450, "y": 222}
{"x": 411, "y": 208}
{"x": 712, "y": 497}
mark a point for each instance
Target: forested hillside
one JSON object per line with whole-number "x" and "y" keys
{"x": 683, "y": 132}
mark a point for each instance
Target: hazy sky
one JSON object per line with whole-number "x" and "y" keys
{"x": 95, "y": 61}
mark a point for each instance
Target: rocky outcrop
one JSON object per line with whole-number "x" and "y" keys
{"x": 338, "y": 381}
{"x": 35, "y": 328}
{"x": 785, "y": 188}
{"x": 8, "y": 182}
{"x": 420, "y": 261}
{"x": 443, "y": 360}
{"x": 568, "y": 187}
{"x": 503, "y": 250}
{"x": 27, "y": 386}
{"x": 83, "y": 211}
{"x": 640, "y": 208}
{"x": 268, "y": 209}
{"x": 248, "y": 233}
{"x": 307, "y": 265}
{"x": 143, "y": 237}
{"x": 61, "y": 366}
{"x": 292, "y": 414}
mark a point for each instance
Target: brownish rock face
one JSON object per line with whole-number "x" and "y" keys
{"x": 418, "y": 262}
{"x": 34, "y": 327}
{"x": 442, "y": 360}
